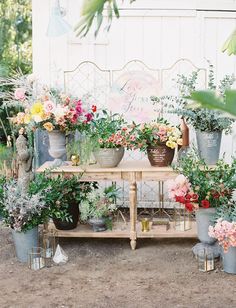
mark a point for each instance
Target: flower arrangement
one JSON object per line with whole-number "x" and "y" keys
{"x": 198, "y": 185}
{"x": 98, "y": 203}
{"x": 22, "y": 211}
{"x": 225, "y": 232}
{"x": 52, "y": 110}
{"x": 156, "y": 133}
{"x": 111, "y": 131}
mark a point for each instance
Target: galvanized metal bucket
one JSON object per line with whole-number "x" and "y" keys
{"x": 229, "y": 260}
{"x": 208, "y": 144}
{"x": 24, "y": 242}
{"x": 204, "y": 218}
{"x": 108, "y": 158}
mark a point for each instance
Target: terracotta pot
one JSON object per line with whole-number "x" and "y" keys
{"x": 73, "y": 210}
{"x": 160, "y": 156}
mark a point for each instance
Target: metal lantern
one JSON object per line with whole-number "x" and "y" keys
{"x": 36, "y": 258}
{"x": 49, "y": 243}
{"x": 205, "y": 259}
{"x": 182, "y": 218}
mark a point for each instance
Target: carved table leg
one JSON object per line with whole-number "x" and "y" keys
{"x": 133, "y": 211}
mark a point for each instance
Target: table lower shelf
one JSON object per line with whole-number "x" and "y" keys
{"x": 122, "y": 230}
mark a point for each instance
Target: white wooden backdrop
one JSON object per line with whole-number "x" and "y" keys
{"x": 155, "y": 32}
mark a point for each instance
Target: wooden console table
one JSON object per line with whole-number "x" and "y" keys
{"x": 132, "y": 172}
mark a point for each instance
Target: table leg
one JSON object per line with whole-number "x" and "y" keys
{"x": 133, "y": 213}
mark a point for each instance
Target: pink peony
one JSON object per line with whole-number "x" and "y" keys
{"x": 19, "y": 94}
{"x": 49, "y": 106}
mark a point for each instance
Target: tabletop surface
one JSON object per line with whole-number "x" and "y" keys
{"x": 124, "y": 166}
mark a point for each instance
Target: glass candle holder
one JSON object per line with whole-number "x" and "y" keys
{"x": 145, "y": 225}
{"x": 49, "y": 242}
{"x": 205, "y": 260}
{"x": 36, "y": 258}
{"x": 182, "y": 218}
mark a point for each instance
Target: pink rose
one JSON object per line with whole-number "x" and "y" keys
{"x": 19, "y": 94}
{"x": 49, "y": 106}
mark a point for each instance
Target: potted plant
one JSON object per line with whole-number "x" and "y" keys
{"x": 202, "y": 189}
{"x": 111, "y": 135}
{"x": 23, "y": 212}
{"x": 208, "y": 124}
{"x": 63, "y": 198}
{"x": 97, "y": 207}
{"x": 2, "y": 182}
{"x": 224, "y": 231}
{"x": 159, "y": 139}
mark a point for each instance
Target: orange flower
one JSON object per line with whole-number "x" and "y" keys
{"x": 48, "y": 126}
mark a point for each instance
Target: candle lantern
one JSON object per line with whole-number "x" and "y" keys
{"x": 145, "y": 225}
{"x": 36, "y": 258}
{"x": 49, "y": 243}
{"x": 205, "y": 259}
{"x": 182, "y": 218}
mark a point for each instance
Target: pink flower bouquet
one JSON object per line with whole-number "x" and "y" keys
{"x": 225, "y": 232}
{"x": 53, "y": 110}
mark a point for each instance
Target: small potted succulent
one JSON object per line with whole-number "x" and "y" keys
{"x": 23, "y": 212}
{"x": 111, "y": 135}
{"x": 97, "y": 207}
{"x": 159, "y": 139}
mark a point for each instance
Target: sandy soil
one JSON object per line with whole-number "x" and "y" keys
{"x": 107, "y": 273}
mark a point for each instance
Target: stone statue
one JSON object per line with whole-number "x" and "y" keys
{"x": 24, "y": 161}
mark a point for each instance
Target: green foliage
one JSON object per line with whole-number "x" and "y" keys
{"x": 214, "y": 184}
{"x": 93, "y": 9}
{"x": 15, "y": 36}
{"x": 63, "y": 191}
{"x": 15, "y": 48}
{"x": 22, "y": 210}
{"x": 98, "y": 203}
{"x": 6, "y": 155}
{"x": 200, "y": 118}
{"x": 230, "y": 44}
{"x": 103, "y": 126}
{"x": 208, "y": 99}
{"x": 2, "y": 182}
{"x": 226, "y": 212}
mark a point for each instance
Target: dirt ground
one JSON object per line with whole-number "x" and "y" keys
{"x": 107, "y": 273}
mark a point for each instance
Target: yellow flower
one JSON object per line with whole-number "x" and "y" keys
{"x": 48, "y": 126}
{"x": 171, "y": 144}
{"x": 37, "y": 112}
{"x": 37, "y": 109}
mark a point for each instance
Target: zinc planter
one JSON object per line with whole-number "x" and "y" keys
{"x": 204, "y": 218}
{"x": 208, "y": 144}
{"x": 160, "y": 156}
{"x": 98, "y": 224}
{"x": 229, "y": 260}
{"x": 24, "y": 242}
{"x": 57, "y": 146}
{"x": 109, "y": 158}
